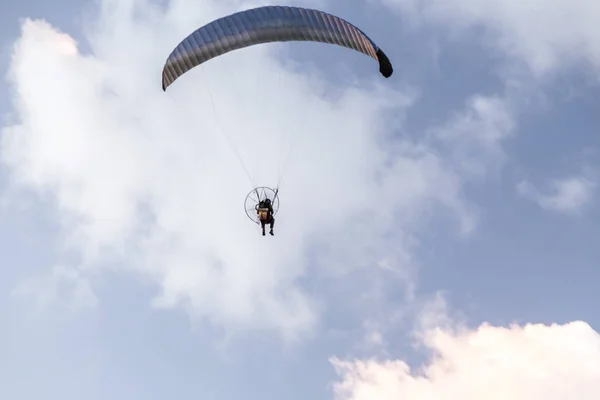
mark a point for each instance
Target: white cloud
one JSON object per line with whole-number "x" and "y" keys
{"x": 546, "y": 36}
{"x": 140, "y": 178}
{"x": 475, "y": 135}
{"x": 536, "y": 42}
{"x": 568, "y": 195}
{"x": 520, "y": 363}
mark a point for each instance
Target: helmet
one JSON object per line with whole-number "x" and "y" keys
{"x": 267, "y": 200}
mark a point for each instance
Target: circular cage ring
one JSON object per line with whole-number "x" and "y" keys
{"x": 257, "y": 195}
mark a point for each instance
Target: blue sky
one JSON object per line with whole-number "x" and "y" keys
{"x": 444, "y": 219}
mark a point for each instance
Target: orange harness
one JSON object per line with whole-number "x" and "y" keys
{"x": 263, "y": 214}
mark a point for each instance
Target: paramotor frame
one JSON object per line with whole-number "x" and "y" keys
{"x": 257, "y": 195}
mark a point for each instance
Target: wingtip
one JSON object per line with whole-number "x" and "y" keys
{"x": 385, "y": 65}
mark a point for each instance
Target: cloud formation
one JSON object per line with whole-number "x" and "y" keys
{"x": 568, "y": 195}
{"x": 536, "y": 34}
{"x": 147, "y": 182}
{"x": 149, "y": 185}
{"x": 534, "y": 361}
{"x": 475, "y": 135}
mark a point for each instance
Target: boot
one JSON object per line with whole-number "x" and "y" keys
{"x": 271, "y": 232}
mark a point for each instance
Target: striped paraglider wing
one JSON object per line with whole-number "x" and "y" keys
{"x": 264, "y": 25}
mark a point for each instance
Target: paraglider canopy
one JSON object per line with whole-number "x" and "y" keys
{"x": 263, "y": 25}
